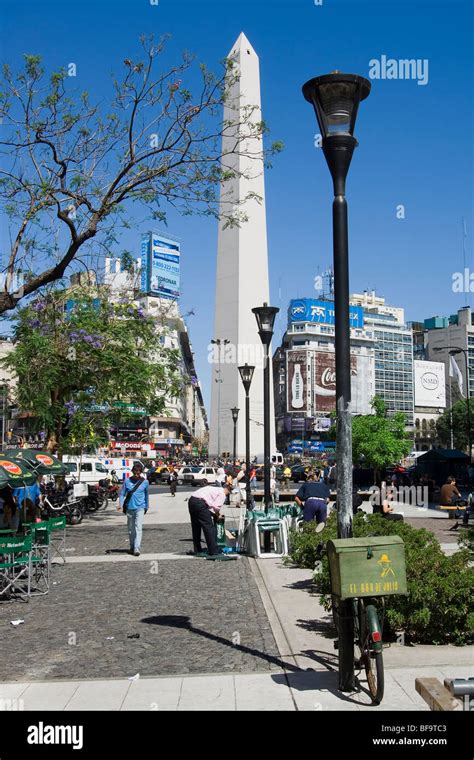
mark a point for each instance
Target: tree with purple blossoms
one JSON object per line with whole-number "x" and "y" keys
{"x": 78, "y": 352}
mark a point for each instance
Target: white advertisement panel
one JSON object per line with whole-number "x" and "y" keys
{"x": 430, "y": 384}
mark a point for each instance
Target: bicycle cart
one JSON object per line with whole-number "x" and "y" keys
{"x": 364, "y": 571}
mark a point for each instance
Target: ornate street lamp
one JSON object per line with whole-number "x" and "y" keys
{"x": 265, "y": 316}
{"x": 246, "y": 375}
{"x": 235, "y": 415}
{"x": 336, "y": 99}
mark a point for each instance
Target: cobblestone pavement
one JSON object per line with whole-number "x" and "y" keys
{"x": 91, "y": 539}
{"x": 192, "y": 616}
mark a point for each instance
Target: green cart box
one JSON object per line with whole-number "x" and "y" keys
{"x": 370, "y": 566}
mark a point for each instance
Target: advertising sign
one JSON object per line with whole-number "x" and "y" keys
{"x": 296, "y": 374}
{"x": 160, "y": 265}
{"x": 430, "y": 384}
{"x": 324, "y": 386}
{"x": 322, "y": 312}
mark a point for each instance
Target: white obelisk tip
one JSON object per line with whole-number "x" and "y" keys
{"x": 242, "y": 45}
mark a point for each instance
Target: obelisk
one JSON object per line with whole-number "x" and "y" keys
{"x": 242, "y": 269}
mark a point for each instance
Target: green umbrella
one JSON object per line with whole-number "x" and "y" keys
{"x": 13, "y": 473}
{"x": 41, "y": 462}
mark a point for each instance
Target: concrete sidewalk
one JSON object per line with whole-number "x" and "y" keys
{"x": 304, "y": 635}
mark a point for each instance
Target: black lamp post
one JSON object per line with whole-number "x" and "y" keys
{"x": 246, "y": 375}
{"x": 235, "y": 415}
{"x": 265, "y": 316}
{"x": 336, "y": 99}
{"x": 453, "y": 350}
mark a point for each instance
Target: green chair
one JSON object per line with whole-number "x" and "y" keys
{"x": 15, "y": 566}
{"x": 40, "y": 558}
{"x": 57, "y": 525}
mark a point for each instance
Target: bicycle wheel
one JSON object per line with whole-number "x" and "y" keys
{"x": 371, "y": 651}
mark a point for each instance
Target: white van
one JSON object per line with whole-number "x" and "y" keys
{"x": 86, "y": 469}
{"x": 276, "y": 458}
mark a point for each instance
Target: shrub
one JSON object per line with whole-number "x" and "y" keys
{"x": 439, "y": 606}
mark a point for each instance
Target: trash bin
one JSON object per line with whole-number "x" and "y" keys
{"x": 370, "y": 566}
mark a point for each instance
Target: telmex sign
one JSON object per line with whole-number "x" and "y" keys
{"x": 312, "y": 310}
{"x": 430, "y": 384}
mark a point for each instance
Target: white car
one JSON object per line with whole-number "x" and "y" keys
{"x": 200, "y": 476}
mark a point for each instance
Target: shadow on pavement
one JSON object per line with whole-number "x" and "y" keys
{"x": 182, "y": 621}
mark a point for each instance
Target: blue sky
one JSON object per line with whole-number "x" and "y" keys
{"x": 415, "y": 140}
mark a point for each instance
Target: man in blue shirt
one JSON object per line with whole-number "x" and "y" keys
{"x": 314, "y": 496}
{"x": 134, "y": 502}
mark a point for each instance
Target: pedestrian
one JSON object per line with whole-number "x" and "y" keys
{"x": 204, "y": 510}
{"x": 253, "y": 479}
{"x": 314, "y": 496}
{"x": 220, "y": 475}
{"x": 286, "y": 476}
{"x": 332, "y": 477}
{"x": 134, "y": 502}
{"x": 172, "y": 481}
{"x": 274, "y": 492}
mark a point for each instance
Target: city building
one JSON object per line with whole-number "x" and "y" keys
{"x": 455, "y": 331}
{"x": 183, "y": 427}
{"x": 305, "y": 377}
{"x": 393, "y": 352}
{"x": 304, "y": 367}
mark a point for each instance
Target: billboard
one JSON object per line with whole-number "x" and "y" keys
{"x": 430, "y": 384}
{"x": 160, "y": 265}
{"x": 324, "y": 382}
{"x": 297, "y": 380}
{"x": 322, "y": 312}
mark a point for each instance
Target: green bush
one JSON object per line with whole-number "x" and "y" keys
{"x": 439, "y": 606}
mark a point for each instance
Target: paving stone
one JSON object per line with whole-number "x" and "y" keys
{"x": 187, "y": 617}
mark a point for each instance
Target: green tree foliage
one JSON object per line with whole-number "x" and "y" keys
{"x": 377, "y": 439}
{"x": 77, "y": 352}
{"x": 439, "y": 606}
{"x": 460, "y": 425}
{"x": 71, "y": 169}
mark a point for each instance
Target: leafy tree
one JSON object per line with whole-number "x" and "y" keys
{"x": 460, "y": 425}
{"x": 377, "y": 439}
{"x": 71, "y": 169}
{"x": 77, "y": 352}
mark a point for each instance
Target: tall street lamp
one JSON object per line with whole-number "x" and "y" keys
{"x": 453, "y": 350}
{"x": 235, "y": 415}
{"x": 219, "y": 342}
{"x": 336, "y": 99}
{"x": 246, "y": 375}
{"x": 265, "y": 316}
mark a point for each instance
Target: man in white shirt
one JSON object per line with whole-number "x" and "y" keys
{"x": 204, "y": 509}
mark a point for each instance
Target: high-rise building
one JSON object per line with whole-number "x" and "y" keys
{"x": 304, "y": 367}
{"x": 456, "y": 331}
{"x": 393, "y": 351}
{"x": 242, "y": 266}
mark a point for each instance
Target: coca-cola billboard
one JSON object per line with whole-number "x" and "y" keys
{"x": 297, "y": 380}
{"x": 324, "y": 380}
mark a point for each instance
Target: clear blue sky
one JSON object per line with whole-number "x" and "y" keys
{"x": 415, "y": 141}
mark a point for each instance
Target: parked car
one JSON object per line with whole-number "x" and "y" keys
{"x": 200, "y": 476}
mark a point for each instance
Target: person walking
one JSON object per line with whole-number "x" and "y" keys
{"x": 134, "y": 500}
{"x": 204, "y": 510}
{"x": 172, "y": 481}
{"x": 286, "y": 476}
